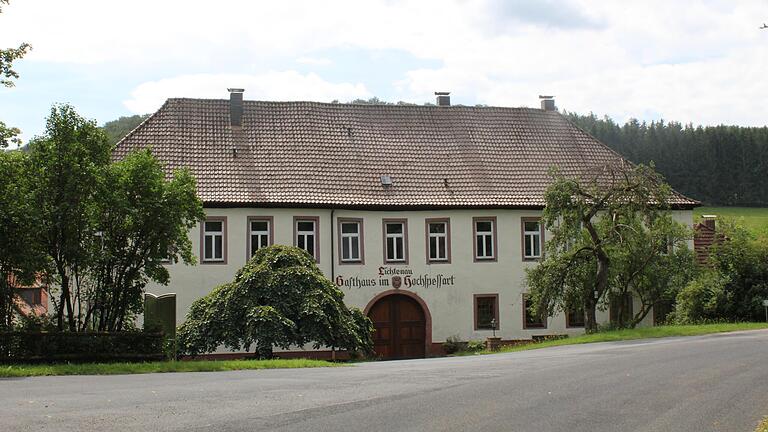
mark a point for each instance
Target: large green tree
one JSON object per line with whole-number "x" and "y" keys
{"x": 588, "y": 216}
{"x": 651, "y": 262}
{"x": 279, "y": 299}
{"x": 20, "y": 259}
{"x": 142, "y": 221}
{"x": 66, "y": 166}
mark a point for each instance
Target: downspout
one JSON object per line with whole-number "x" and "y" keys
{"x": 333, "y": 276}
{"x": 333, "y": 261}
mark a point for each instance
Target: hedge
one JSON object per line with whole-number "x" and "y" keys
{"x": 49, "y": 347}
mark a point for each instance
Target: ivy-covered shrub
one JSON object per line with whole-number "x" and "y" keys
{"x": 79, "y": 347}
{"x": 278, "y": 299}
{"x": 453, "y": 344}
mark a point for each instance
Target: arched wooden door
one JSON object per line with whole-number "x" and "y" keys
{"x": 399, "y": 327}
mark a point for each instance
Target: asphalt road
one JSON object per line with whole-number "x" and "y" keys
{"x": 705, "y": 383}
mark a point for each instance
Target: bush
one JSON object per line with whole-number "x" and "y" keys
{"x": 453, "y": 344}
{"x": 475, "y": 346}
{"x": 702, "y": 300}
{"x": 40, "y": 346}
{"x": 279, "y": 299}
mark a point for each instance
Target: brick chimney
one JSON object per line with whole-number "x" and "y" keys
{"x": 443, "y": 98}
{"x": 235, "y": 106}
{"x": 548, "y": 103}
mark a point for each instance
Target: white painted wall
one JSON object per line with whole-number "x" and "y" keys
{"x": 451, "y": 307}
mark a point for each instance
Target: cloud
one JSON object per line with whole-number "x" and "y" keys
{"x": 314, "y": 61}
{"x": 273, "y": 86}
{"x": 689, "y": 61}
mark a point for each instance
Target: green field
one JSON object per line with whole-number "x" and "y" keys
{"x": 633, "y": 334}
{"x": 7, "y": 371}
{"x": 754, "y": 219}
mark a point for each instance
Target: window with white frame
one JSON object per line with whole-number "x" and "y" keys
{"x": 306, "y": 235}
{"x": 260, "y": 232}
{"x": 351, "y": 244}
{"x": 213, "y": 241}
{"x": 532, "y": 239}
{"x": 394, "y": 241}
{"x": 437, "y": 241}
{"x": 485, "y": 243}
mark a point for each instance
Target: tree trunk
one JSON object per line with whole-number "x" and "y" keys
{"x": 590, "y": 320}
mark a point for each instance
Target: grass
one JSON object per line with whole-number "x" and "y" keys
{"x": 8, "y": 371}
{"x": 763, "y": 426}
{"x": 638, "y": 333}
{"x": 755, "y": 219}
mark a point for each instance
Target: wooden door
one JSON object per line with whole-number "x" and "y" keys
{"x": 399, "y": 327}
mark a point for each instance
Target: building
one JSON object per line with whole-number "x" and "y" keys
{"x": 425, "y": 216}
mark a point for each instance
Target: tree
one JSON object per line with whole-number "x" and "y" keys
{"x": 19, "y": 257}
{"x": 7, "y": 75}
{"x": 279, "y": 299}
{"x": 650, "y": 261}
{"x": 117, "y": 129}
{"x": 142, "y": 220}
{"x": 66, "y": 165}
{"x": 587, "y": 216}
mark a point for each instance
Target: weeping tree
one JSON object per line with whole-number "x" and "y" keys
{"x": 279, "y": 299}
{"x": 588, "y": 216}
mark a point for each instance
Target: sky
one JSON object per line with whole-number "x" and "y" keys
{"x": 701, "y": 62}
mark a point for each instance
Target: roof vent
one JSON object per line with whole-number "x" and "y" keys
{"x": 443, "y": 98}
{"x": 548, "y": 103}
{"x": 386, "y": 180}
{"x": 235, "y": 106}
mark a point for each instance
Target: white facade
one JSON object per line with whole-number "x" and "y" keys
{"x": 451, "y": 305}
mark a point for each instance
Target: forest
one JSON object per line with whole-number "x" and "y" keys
{"x": 718, "y": 165}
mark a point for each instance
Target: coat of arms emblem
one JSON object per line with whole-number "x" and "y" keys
{"x": 397, "y": 281}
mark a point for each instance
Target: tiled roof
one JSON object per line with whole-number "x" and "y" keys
{"x": 321, "y": 154}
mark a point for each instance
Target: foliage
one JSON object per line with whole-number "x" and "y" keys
{"x": 591, "y": 218}
{"x": 8, "y": 56}
{"x": 651, "y": 261}
{"x": 278, "y": 299}
{"x": 24, "y": 346}
{"x": 720, "y": 165}
{"x": 453, "y": 344}
{"x": 19, "y": 256}
{"x": 105, "y": 227}
{"x": 475, "y": 346}
{"x": 26, "y": 370}
{"x": 702, "y": 299}
{"x": 7, "y": 75}
{"x": 117, "y": 129}
{"x": 142, "y": 219}
{"x": 66, "y": 164}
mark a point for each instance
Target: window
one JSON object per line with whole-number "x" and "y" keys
{"x": 395, "y": 241}
{"x": 214, "y": 240}
{"x": 532, "y": 238}
{"x": 574, "y": 316}
{"x": 351, "y": 240}
{"x": 438, "y": 240}
{"x": 259, "y": 233}
{"x": 306, "y": 229}
{"x": 485, "y": 238}
{"x": 532, "y": 321}
{"x": 486, "y": 311}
